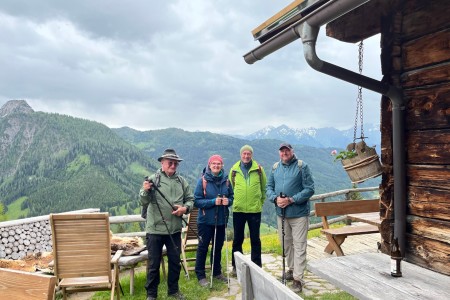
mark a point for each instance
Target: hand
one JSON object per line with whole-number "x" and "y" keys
{"x": 179, "y": 210}
{"x": 147, "y": 185}
{"x": 225, "y": 201}
{"x": 283, "y": 202}
{"x": 219, "y": 201}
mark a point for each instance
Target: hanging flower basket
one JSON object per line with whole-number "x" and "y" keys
{"x": 366, "y": 164}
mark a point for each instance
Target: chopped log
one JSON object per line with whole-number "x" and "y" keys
{"x": 429, "y": 175}
{"x": 428, "y": 50}
{"x": 435, "y": 74}
{"x": 434, "y": 229}
{"x": 365, "y": 21}
{"x": 428, "y": 108}
{"x": 429, "y": 147}
{"x": 424, "y": 16}
{"x": 428, "y": 253}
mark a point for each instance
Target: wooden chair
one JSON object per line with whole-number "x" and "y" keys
{"x": 82, "y": 253}
{"x": 20, "y": 285}
{"x": 189, "y": 242}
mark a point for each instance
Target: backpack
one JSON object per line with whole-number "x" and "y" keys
{"x": 233, "y": 177}
{"x": 205, "y": 182}
{"x": 299, "y": 163}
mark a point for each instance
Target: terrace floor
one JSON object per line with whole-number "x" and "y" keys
{"x": 314, "y": 285}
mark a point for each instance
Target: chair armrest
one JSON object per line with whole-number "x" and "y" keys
{"x": 115, "y": 259}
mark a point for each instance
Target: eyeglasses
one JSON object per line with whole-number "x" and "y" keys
{"x": 172, "y": 163}
{"x": 216, "y": 164}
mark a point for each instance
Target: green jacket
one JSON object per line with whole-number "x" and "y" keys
{"x": 249, "y": 194}
{"x": 176, "y": 190}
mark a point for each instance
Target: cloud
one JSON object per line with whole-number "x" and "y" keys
{"x": 159, "y": 64}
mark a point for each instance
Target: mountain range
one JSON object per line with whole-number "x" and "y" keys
{"x": 318, "y": 137}
{"x": 54, "y": 163}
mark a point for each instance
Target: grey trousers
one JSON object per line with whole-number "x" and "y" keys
{"x": 296, "y": 232}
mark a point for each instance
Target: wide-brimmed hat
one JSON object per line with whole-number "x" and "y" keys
{"x": 169, "y": 154}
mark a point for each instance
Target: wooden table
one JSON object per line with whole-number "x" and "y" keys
{"x": 372, "y": 218}
{"x": 367, "y": 276}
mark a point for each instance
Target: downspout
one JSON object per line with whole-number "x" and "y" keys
{"x": 309, "y": 37}
{"x": 307, "y": 29}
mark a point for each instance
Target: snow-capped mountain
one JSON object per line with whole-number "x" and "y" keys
{"x": 326, "y": 137}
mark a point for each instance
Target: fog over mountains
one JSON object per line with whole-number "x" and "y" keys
{"x": 318, "y": 137}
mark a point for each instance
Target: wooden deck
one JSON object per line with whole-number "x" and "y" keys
{"x": 365, "y": 274}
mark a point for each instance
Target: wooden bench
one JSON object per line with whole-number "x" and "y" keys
{"x": 336, "y": 236}
{"x": 20, "y": 285}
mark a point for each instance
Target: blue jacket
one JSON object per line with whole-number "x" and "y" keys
{"x": 215, "y": 185}
{"x": 294, "y": 182}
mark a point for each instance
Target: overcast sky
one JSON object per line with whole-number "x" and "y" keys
{"x": 159, "y": 64}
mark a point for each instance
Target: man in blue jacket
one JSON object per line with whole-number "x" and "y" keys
{"x": 289, "y": 187}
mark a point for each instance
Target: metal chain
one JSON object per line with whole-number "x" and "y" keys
{"x": 359, "y": 99}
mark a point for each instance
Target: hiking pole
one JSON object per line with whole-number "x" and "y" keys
{"x": 214, "y": 244}
{"x": 171, "y": 238}
{"x": 173, "y": 208}
{"x": 226, "y": 213}
{"x": 283, "y": 215}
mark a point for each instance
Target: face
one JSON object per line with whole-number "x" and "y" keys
{"x": 286, "y": 154}
{"x": 246, "y": 156}
{"x": 169, "y": 166}
{"x": 215, "y": 167}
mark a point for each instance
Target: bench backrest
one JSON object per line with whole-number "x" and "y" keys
{"x": 346, "y": 207}
{"x": 20, "y": 285}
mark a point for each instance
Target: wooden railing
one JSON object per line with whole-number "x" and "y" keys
{"x": 321, "y": 198}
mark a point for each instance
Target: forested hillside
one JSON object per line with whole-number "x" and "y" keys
{"x": 196, "y": 147}
{"x": 54, "y": 163}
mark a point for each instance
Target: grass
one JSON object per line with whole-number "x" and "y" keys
{"x": 192, "y": 290}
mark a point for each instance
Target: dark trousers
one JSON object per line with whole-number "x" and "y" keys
{"x": 207, "y": 234}
{"x": 155, "y": 243}
{"x": 254, "y": 222}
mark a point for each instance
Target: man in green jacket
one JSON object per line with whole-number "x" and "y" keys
{"x": 167, "y": 196}
{"x": 249, "y": 181}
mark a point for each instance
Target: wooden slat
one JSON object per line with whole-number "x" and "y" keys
{"x": 349, "y": 230}
{"x": 276, "y": 16}
{"x": 346, "y": 207}
{"x": 19, "y": 285}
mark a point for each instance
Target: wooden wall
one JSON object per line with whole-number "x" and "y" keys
{"x": 416, "y": 55}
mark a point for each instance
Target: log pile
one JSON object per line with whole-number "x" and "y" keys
{"x": 19, "y": 241}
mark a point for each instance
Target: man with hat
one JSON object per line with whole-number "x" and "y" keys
{"x": 248, "y": 180}
{"x": 289, "y": 187}
{"x": 167, "y": 196}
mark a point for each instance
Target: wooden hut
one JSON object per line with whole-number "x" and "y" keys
{"x": 415, "y": 55}
{"x": 415, "y": 60}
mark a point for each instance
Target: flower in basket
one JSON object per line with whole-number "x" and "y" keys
{"x": 344, "y": 154}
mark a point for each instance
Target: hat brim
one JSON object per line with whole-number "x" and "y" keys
{"x": 172, "y": 157}
{"x": 285, "y": 147}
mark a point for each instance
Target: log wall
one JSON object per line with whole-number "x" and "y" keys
{"x": 416, "y": 56}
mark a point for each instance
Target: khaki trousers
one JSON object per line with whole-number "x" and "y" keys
{"x": 296, "y": 232}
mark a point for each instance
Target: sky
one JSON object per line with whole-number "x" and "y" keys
{"x": 159, "y": 64}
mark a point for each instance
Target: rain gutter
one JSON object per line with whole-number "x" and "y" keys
{"x": 307, "y": 29}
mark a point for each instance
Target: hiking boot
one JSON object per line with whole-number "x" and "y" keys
{"x": 221, "y": 278}
{"x": 178, "y": 296}
{"x": 233, "y": 272}
{"x": 150, "y": 298}
{"x": 203, "y": 282}
{"x": 289, "y": 275}
{"x": 296, "y": 286}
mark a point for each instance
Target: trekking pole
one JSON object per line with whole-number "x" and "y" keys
{"x": 171, "y": 238}
{"x": 283, "y": 215}
{"x": 214, "y": 244}
{"x": 225, "y": 212}
{"x": 173, "y": 208}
